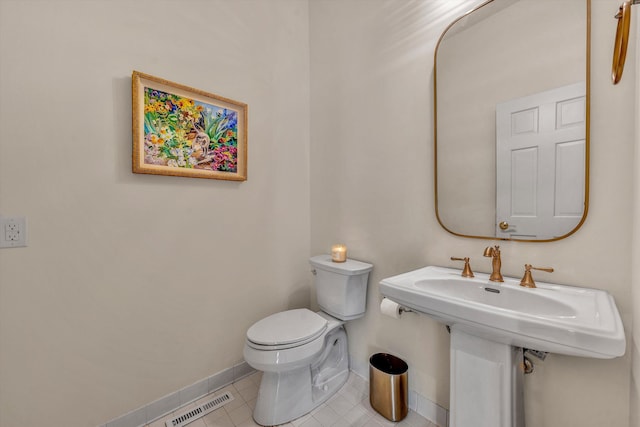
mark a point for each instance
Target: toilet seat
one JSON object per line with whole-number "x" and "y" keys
{"x": 287, "y": 329}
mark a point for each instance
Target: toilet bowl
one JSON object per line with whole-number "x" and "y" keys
{"x": 293, "y": 380}
{"x": 304, "y": 355}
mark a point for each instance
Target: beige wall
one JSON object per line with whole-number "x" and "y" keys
{"x": 134, "y": 286}
{"x": 634, "y": 342}
{"x": 372, "y": 188}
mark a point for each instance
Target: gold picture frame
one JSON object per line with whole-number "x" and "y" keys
{"x": 182, "y": 131}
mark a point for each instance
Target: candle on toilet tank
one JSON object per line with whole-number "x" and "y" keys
{"x": 338, "y": 253}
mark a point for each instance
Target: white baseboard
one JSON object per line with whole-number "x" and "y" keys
{"x": 175, "y": 400}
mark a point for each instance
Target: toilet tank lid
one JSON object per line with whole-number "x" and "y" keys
{"x": 350, "y": 267}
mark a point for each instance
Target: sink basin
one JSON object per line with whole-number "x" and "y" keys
{"x": 553, "y": 318}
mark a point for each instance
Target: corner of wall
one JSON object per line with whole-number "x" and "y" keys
{"x": 634, "y": 336}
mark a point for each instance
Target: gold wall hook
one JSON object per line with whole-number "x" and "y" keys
{"x": 466, "y": 271}
{"x": 622, "y": 39}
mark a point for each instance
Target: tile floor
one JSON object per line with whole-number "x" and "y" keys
{"x": 348, "y": 408}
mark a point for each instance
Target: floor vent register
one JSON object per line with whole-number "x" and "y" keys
{"x": 199, "y": 412}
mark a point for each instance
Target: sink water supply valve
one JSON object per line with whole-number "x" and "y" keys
{"x": 527, "y": 365}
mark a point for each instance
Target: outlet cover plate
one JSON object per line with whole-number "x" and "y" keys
{"x": 13, "y": 232}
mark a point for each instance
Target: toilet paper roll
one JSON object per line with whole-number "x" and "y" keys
{"x": 390, "y": 308}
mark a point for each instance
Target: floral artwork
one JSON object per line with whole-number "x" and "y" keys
{"x": 181, "y": 132}
{"x": 187, "y": 132}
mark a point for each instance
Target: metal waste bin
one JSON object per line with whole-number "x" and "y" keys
{"x": 388, "y": 386}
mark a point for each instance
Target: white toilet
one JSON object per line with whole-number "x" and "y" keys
{"x": 304, "y": 355}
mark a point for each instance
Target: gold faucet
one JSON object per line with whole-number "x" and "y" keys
{"x": 496, "y": 263}
{"x": 527, "y": 279}
{"x": 466, "y": 272}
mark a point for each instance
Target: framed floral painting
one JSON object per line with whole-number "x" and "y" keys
{"x": 181, "y": 131}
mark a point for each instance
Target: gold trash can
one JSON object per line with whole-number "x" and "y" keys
{"x": 388, "y": 386}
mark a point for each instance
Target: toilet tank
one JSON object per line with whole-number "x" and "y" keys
{"x": 341, "y": 287}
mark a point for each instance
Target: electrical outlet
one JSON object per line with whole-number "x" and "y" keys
{"x": 13, "y": 232}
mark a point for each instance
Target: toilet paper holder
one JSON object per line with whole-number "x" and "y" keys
{"x": 393, "y": 308}
{"x": 404, "y": 309}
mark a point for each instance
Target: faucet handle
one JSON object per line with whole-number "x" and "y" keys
{"x": 466, "y": 271}
{"x": 527, "y": 279}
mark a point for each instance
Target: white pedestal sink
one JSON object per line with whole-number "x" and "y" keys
{"x": 491, "y": 323}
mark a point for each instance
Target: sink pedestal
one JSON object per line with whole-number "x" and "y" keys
{"x": 486, "y": 382}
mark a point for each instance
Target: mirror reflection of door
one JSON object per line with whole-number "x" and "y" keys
{"x": 540, "y": 159}
{"x": 501, "y": 51}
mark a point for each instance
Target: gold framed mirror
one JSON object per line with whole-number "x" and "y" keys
{"x": 511, "y": 120}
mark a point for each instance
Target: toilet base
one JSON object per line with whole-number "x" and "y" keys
{"x": 285, "y": 396}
